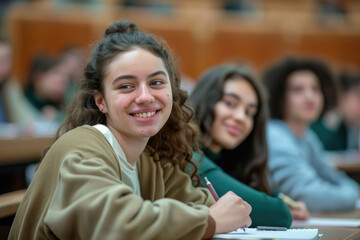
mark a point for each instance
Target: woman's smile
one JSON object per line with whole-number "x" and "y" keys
{"x": 146, "y": 115}
{"x": 233, "y": 130}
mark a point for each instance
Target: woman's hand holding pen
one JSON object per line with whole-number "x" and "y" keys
{"x": 300, "y": 212}
{"x": 230, "y": 212}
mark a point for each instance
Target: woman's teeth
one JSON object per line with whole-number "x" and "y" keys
{"x": 144, "y": 115}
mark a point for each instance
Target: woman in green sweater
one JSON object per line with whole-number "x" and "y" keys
{"x": 231, "y": 112}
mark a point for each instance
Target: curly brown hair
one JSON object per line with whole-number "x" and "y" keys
{"x": 177, "y": 139}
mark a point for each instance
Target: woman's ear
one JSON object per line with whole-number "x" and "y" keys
{"x": 100, "y": 101}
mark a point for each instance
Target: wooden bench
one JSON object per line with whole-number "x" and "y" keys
{"x": 22, "y": 149}
{"x": 9, "y": 202}
{"x": 16, "y": 152}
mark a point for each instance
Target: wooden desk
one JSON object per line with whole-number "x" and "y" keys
{"x": 349, "y": 163}
{"x": 353, "y": 167}
{"x": 349, "y": 214}
{"x": 331, "y": 233}
{"x": 22, "y": 150}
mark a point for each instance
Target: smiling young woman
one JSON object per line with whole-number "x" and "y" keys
{"x": 230, "y": 109}
{"x": 117, "y": 167}
{"x": 137, "y": 99}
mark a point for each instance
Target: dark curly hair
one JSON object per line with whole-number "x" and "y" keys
{"x": 276, "y": 76}
{"x": 349, "y": 79}
{"x": 176, "y": 140}
{"x": 248, "y": 161}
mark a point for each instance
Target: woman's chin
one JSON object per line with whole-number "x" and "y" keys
{"x": 148, "y": 134}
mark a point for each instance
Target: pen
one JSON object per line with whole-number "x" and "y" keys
{"x": 211, "y": 188}
{"x": 213, "y": 192}
{"x": 288, "y": 201}
{"x": 268, "y": 228}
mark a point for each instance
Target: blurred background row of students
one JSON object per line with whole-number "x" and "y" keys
{"x": 257, "y": 141}
{"x": 325, "y": 8}
{"x": 39, "y": 107}
{"x": 338, "y": 129}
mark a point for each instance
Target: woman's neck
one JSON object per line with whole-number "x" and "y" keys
{"x": 210, "y": 144}
{"x": 210, "y": 154}
{"x": 132, "y": 147}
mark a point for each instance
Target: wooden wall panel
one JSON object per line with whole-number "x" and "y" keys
{"x": 50, "y": 37}
{"x": 255, "y": 48}
{"x": 340, "y": 49}
{"x": 183, "y": 44}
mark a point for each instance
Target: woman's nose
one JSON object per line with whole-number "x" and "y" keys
{"x": 144, "y": 95}
{"x": 239, "y": 113}
{"x": 310, "y": 93}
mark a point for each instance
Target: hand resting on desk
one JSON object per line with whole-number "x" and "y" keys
{"x": 230, "y": 212}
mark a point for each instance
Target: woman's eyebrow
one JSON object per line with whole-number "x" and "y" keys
{"x": 127, "y": 76}
{"x": 237, "y": 97}
{"x": 160, "y": 72}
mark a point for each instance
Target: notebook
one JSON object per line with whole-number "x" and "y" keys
{"x": 253, "y": 233}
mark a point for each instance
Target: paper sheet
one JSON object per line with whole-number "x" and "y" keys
{"x": 253, "y": 233}
{"x": 329, "y": 222}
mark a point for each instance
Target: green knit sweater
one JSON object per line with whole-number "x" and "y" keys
{"x": 266, "y": 210}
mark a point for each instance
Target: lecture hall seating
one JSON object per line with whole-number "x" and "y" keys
{"x": 200, "y": 36}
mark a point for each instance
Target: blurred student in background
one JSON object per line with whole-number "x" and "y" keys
{"x": 72, "y": 62}
{"x": 46, "y": 90}
{"x": 241, "y": 6}
{"x": 46, "y": 86}
{"x": 154, "y": 5}
{"x": 300, "y": 90}
{"x": 339, "y": 129}
{"x": 15, "y": 112}
{"x": 14, "y": 108}
{"x": 331, "y": 8}
{"x": 231, "y": 111}
{"x": 41, "y": 110}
